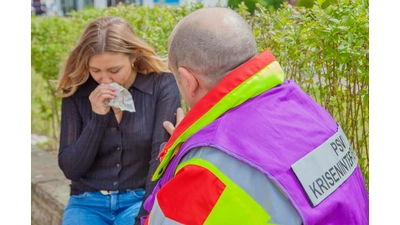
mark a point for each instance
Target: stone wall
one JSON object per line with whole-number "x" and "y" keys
{"x": 49, "y": 189}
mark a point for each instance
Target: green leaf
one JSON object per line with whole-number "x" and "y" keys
{"x": 359, "y": 43}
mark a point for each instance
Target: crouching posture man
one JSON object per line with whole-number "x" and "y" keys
{"x": 254, "y": 148}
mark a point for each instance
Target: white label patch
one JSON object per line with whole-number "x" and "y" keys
{"x": 324, "y": 169}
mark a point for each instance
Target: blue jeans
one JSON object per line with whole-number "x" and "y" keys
{"x": 91, "y": 208}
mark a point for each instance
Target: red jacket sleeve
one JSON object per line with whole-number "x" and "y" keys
{"x": 188, "y": 197}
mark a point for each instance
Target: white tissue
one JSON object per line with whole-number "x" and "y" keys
{"x": 123, "y": 100}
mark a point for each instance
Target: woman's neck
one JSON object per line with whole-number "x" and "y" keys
{"x": 130, "y": 80}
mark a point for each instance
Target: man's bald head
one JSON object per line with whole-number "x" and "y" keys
{"x": 211, "y": 41}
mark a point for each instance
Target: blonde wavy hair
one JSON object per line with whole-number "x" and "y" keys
{"x": 106, "y": 34}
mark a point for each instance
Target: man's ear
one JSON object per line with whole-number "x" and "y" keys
{"x": 191, "y": 81}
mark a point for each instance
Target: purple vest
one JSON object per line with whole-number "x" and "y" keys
{"x": 270, "y": 133}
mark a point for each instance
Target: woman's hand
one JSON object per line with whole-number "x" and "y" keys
{"x": 179, "y": 117}
{"x": 99, "y": 96}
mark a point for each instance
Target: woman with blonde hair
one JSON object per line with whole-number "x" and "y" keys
{"x": 116, "y": 92}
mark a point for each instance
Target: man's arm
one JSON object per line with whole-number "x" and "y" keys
{"x": 199, "y": 194}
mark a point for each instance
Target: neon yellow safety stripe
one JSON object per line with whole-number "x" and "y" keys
{"x": 234, "y": 206}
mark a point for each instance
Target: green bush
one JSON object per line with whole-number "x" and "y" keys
{"x": 324, "y": 49}
{"x": 252, "y": 4}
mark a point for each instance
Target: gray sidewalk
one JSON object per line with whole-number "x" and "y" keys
{"x": 49, "y": 188}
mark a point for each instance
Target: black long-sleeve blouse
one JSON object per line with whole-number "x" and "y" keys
{"x": 96, "y": 153}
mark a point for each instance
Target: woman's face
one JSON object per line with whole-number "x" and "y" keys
{"x": 111, "y": 67}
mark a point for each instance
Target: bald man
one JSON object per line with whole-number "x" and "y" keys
{"x": 254, "y": 148}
